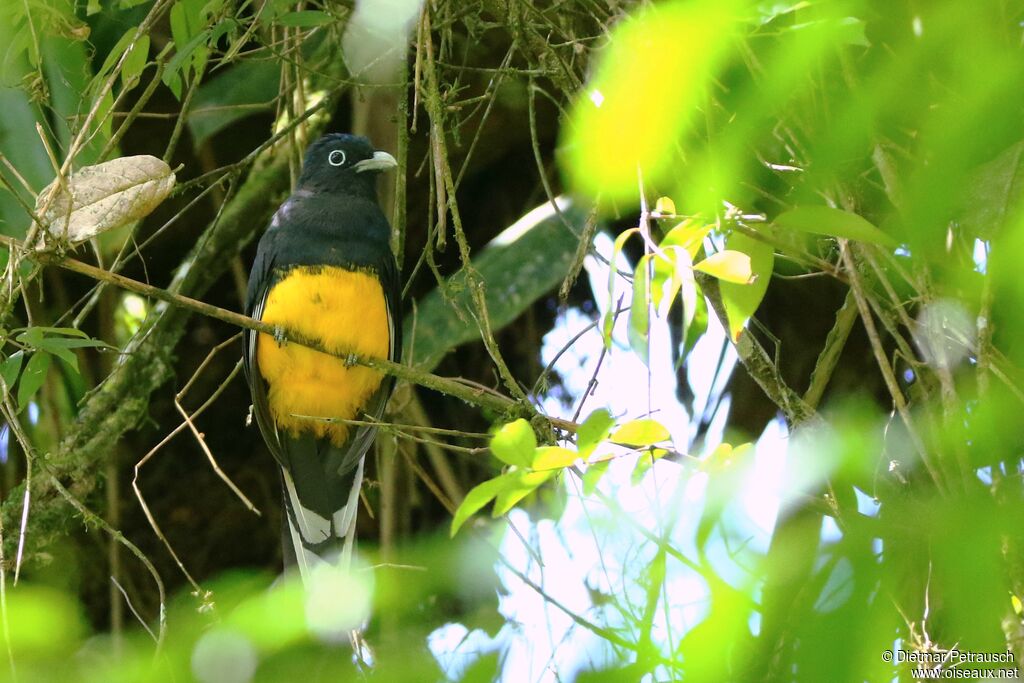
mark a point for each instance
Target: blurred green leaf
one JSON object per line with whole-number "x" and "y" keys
{"x": 593, "y": 474}
{"x": 644, "y": 463}
{"x": 593, "y": 431}
{"x": 641, "y": 99}
{"x": 483, "y": 670}
{"x": 994, "y": 193}
{"x": 825, "y": 220}
{"x": 43, "y": 622}
{"x": 515, "y": 443}
{"x": 843, "y": 30}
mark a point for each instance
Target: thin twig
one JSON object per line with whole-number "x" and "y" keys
{"x": 487, "y": 399}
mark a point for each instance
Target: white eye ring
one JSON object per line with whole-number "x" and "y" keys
{"x": 336, "y": 158}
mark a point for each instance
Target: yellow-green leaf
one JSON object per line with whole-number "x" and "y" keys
{"x": 478, "y": 496}
{"x": 665, "y": 206}
{"x": 825, "y": 220}
{"x": 553, "y": 458}
{"x": 676, "y": 270}
{"x": 593, "y": 431}
{"x": 642, "y": 432}
{"x": 592, "y": 476}
{"x": 515, "y": 443}
{"x": 519, "y": 485}
{"x": 741, "y": 301}
{"x": 688, "y": 234}
{"x": 643, "y": 96}
{"x": 727, "y": 265}
{"x": 645, "y": 462}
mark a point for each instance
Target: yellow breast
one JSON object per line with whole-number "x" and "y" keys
{"x": 346, "y": 312}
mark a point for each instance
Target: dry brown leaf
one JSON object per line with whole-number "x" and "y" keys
{"x": 103, "y": 197}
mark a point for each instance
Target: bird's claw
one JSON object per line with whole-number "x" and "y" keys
{"x": 351, "y": 359}
{"x": 279, "y": 335}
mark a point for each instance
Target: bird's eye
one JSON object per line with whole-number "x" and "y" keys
{"x": 336, "y": 158}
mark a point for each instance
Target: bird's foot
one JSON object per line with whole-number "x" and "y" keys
{"x": 279, "y": 335}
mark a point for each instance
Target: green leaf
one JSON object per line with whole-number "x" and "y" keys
{"x": 639, "y": 309}
{"x": 553, "y": 458}
{"x": 64, "y": 343}
{"x": 639, "y": 433}
{"x": 824, "y": 220}
{"x": 65, "y": 331}
{"x": 664, "y": 205}
{"x": 24, "y": 151}
{"x": 592, "y": 476}
{"x": 519, "y": 485}
{"x": 186, "y": 54}
{"x": 741, "y": 301}
{"x": 593, "y": 431}
{"x": 674, "y": 49}
{"x": 62, "y": 352}
{"x": 515, "y": 443}
{"x": 11, "y": 367}
{"x": 522, "y": 264}
{"x": 115, "y": 54}
{"x": 246, "y": 89}
{"x": 994, "y": 193}
{"x": 33, "y": 377}
{"x": 608, "y": 323}
{"x": 135, "y": 62}
{"x": 728, "y": 266}
{"x": 305, "y": 19}
{"x": 478, "y": 496}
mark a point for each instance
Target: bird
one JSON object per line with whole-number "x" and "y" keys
{"x": 324, "y": 272}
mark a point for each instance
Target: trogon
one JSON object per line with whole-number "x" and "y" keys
{"x": 324, "y": 272}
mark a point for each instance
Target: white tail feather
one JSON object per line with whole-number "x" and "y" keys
{"x": 306, "y": 524}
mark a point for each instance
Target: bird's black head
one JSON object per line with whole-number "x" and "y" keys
{"x": 343, "y": 163}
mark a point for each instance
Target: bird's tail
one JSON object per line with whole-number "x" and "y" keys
{"x": 315, "y": 540}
